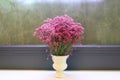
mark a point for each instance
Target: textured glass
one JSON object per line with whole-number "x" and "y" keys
{"x": 19, "y": 18}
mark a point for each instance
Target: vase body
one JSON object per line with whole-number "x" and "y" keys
{"x": 59, "y": 64}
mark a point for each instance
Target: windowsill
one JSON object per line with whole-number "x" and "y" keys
{"x": 49, "y": 75}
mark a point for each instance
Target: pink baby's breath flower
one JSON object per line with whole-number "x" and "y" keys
{"x": 59, "y": 33}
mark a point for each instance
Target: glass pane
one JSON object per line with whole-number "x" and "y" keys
{"x": 19, "y": 18}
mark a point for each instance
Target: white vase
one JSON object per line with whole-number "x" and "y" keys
{"x": 59, "y": 64}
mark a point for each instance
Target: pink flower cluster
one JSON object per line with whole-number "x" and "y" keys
{"x": 59, "y": 30}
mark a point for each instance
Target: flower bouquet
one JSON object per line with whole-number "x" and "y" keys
{"x": 60, "y": 33}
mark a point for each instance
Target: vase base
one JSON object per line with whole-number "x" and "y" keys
{"x": 59, "y": 74}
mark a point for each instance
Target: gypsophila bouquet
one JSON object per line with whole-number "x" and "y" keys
{"x": 60, "y": 33}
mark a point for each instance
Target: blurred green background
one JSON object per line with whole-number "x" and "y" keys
{"x": 19, "y": 18}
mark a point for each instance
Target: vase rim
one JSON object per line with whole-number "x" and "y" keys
{"x": 59, "y": 56}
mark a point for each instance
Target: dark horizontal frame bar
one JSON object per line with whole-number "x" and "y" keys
{"x": 83, "y": 57}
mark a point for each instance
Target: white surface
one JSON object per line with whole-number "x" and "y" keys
{"x": 49, "y": 75}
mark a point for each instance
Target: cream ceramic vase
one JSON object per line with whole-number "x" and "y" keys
{"x": 59, "y": 64}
